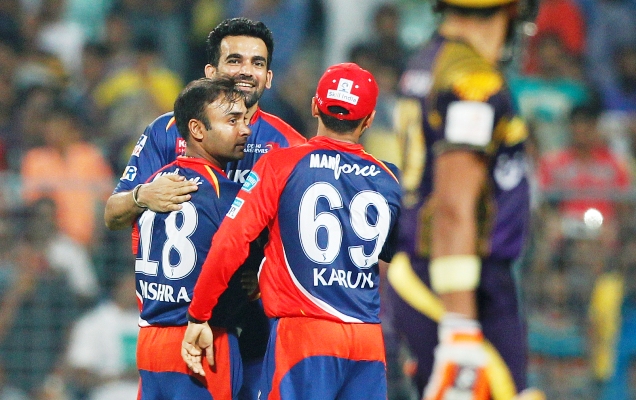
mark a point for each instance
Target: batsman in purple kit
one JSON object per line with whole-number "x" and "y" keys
{"x": 466, "y": 208}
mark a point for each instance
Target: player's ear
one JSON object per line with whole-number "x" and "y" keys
{"x": 314, "y": 108}
{"x": 368, "y": 121}
{"x": 268, "y": 79}
{"x": 209, "y": 70}
{"x": 197, "y": 129}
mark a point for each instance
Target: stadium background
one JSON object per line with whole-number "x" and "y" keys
{"x": 80, "y": 79}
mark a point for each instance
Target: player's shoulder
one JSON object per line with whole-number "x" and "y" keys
{"x": 163, "y": 123}
{"x": 460, "y": 69}
{"x": 292, "y": 135}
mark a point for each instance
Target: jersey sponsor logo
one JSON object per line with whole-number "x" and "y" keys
{"x": 470, "y": 122}
{"x": 343, "y": 93}
{"x": 342, "y": 278}
{"x": 236, "y": 207}
{"x": 416, "y": 83}
{"x": 140, "y": 145}
{"x": 333, "y": 162}
{"x": 160, "y": 292}
{"x": 129, "y": 173}
{"x": 258, "y": 148}
{"x": 180, "y": 146}
{"x": 251, "y": 181}
{"x": 239, "y": 176}
{"x": 175, "y": 172}
{"x": 510, "y": 171}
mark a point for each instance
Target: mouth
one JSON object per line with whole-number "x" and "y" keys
{"x": 245, "y": 85}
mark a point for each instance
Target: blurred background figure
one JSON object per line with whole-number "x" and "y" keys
{"x": 70, "y": 170}
{"x": 100, "y": 358}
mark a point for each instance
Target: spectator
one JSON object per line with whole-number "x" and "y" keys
{"x": 585, "y": 172}
{"x": 36, "y": 309}
{"x": 71, "y": 171}
{"x": 65, "y": 39}
{"x": 613, "y": 25}
{"x": 63, "y": 254}
{"x": 288, "y": 21}
{"x": 81, "y": 93}
{"x": 561, "y": 18}
{"x": 101, "y": 351}
{"x": 546, "y": 98}
{"x": 620, "y": 94}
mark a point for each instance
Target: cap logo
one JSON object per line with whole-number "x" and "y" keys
{"x": 344, "y": 92}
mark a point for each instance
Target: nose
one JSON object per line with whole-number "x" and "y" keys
{"x": 246, "y": 69}
{"x": 245, "y": 130}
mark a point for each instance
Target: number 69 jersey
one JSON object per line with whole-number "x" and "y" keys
{"x": 331, "y": 209}
{"x": 173, "y": 245}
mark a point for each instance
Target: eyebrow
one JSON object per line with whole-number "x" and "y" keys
{"x": 235, "y": 113}
{"x": 238, "y": 55}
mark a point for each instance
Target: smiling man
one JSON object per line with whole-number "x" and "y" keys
{"x": 241, "y": 48}
{"x": 211, "y": 118}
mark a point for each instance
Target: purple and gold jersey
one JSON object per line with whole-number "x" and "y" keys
{"x": 331, "y": 209}
{"x": 463, "y": 102}
{"x": 172, "y": 246}
{"x": 455, "y": 100}
{"x": 160, "y": 144}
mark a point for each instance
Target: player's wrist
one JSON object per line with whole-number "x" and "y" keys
{"x": 458, "y": 327}
{"x": 135, "y": 197}
{"x": 194, "y": 320}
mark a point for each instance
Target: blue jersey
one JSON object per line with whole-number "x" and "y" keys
{"x": 160, "y": 144}
{"x": 330, "y": 208}
{"x": 172, "y": 246}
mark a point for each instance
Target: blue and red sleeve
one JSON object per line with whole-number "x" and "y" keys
{"x": 254, "y": 207}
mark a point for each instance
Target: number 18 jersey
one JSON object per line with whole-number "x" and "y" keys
{"x": 173, "y": 245}
{"x": 331, "y": 209}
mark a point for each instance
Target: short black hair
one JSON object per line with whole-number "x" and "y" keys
{"x": 338, "y": 125}
{"x": 197, "y": 95}
{"x": 238, "y": 27}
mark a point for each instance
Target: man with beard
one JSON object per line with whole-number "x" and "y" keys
{"x": 243, "y": 49}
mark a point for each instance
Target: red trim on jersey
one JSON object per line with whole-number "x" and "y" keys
{"x": 293, "y": 137}
{"x": 172, "y": 121}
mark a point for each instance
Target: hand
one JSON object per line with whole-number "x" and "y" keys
{"x": 197, "y": 339}
{"x": 460, "y": 361}
{"x": 166, "y": 193}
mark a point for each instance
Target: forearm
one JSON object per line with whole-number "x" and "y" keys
{"x": 121, "y": 211}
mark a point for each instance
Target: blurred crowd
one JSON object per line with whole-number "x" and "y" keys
{"x": 80, "y": 80}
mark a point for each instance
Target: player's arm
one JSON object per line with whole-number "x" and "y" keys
{"x": 460, "y": 174}
{"x": 153, "y": 151}
{"x": 459, "y": 178}
{"x": 251, "y": 212}
{"x": 164, "y": 194}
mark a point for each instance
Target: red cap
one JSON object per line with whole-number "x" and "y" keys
{"x": 350, "y": 87}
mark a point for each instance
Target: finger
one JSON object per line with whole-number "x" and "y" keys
{"x": 180, "y": 199}
{"x": 197, "y": 366}
{"x": 175, "y": 178}
{"x": 209, "y": 354}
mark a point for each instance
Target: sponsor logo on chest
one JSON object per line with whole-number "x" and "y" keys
{"x": 333, "y": 163}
